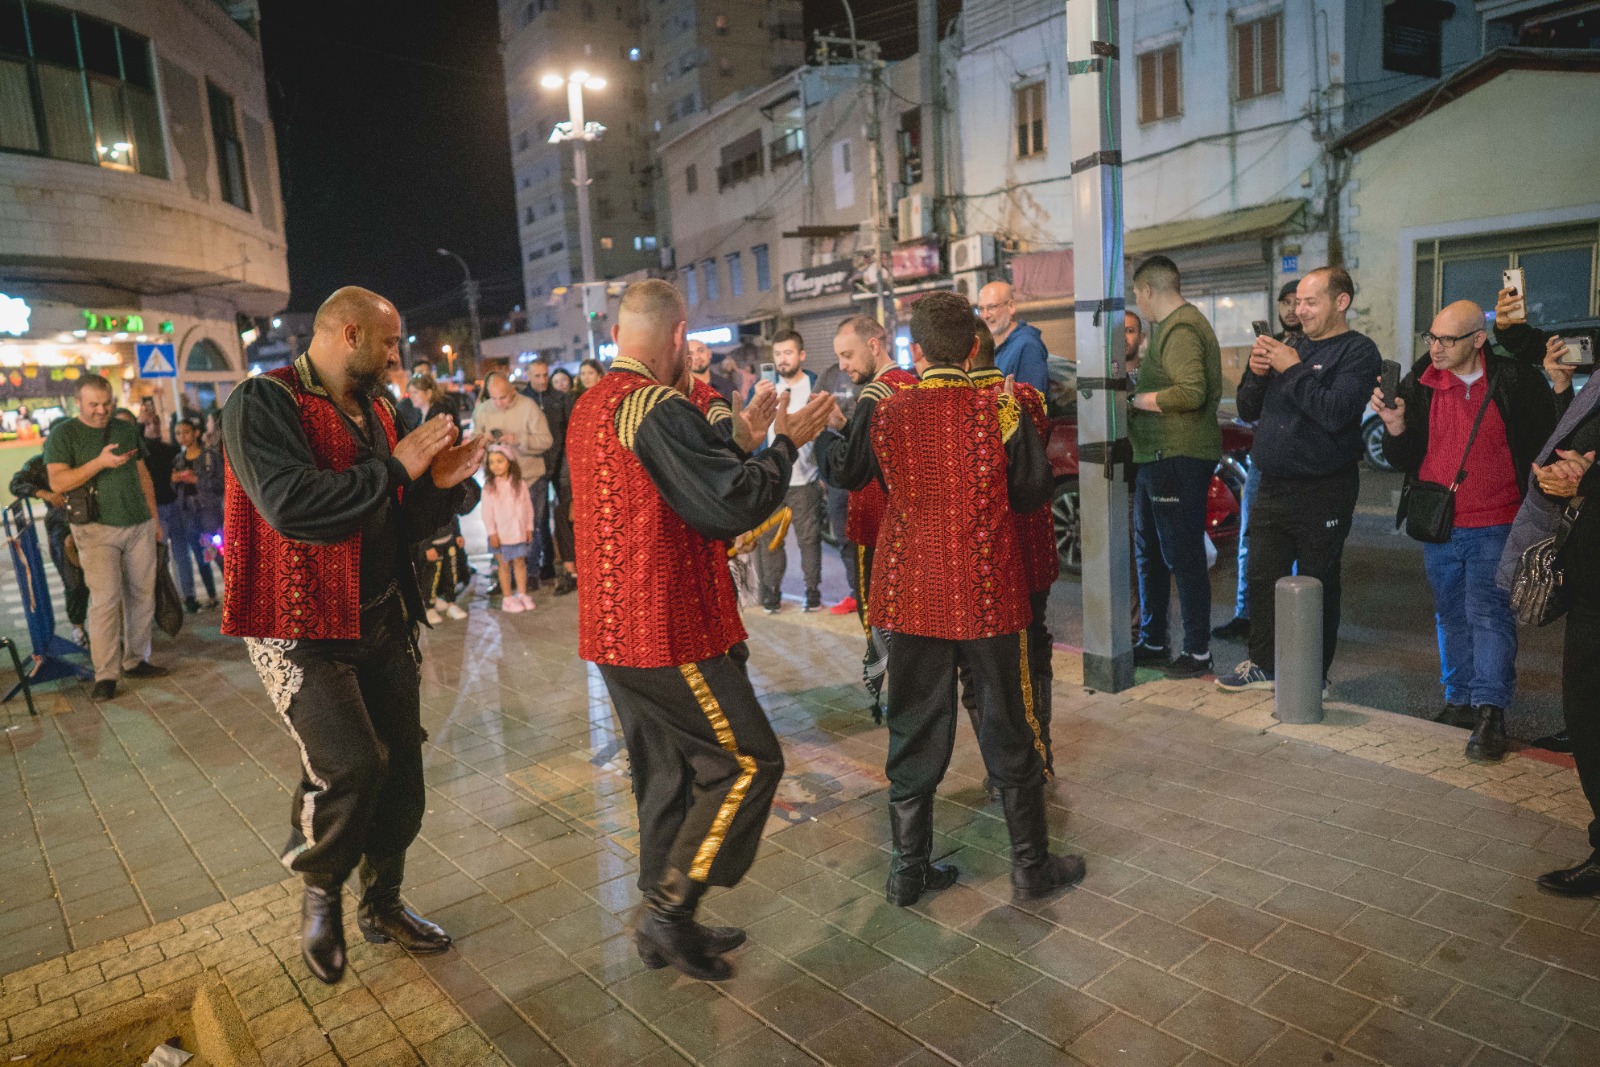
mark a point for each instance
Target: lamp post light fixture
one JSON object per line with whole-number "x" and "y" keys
{"x": 469, "y": 289}
{"x": 580, "y": 133}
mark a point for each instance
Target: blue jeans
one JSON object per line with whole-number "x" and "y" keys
{"x": 183, "y": 529}
{"x": 1169, "y": 542}
{"x": 1477, "y": 634}
{"x": 1241, "y": 599}
{"x": 543, "y": 549}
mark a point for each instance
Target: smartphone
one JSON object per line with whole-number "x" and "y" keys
{"x": 1516, "y": 279}
{"x": 1389, "y": 382}
{"x": 1580, "y": 351}
{"x": 1262, "y": 327}
{"x": 769, "y": 373}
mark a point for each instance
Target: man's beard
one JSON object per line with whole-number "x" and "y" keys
{"x": 369, "y": 383}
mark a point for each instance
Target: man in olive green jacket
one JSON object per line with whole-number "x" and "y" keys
{"x": 1176, "y": 445}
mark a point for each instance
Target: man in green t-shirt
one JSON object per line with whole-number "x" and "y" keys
{"x": 118, "y": 549}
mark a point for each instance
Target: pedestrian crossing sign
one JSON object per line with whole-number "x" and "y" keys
{"x": 157, "y": 361}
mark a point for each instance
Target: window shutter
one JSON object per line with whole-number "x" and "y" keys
{"x": 1169, "y": 82}
{"x": 1271, "y": 33}
{"x": 1147, "y": 87}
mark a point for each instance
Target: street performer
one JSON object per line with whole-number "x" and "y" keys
{"x": 325, "y": 497}
{"x": 657, "y": 491}
{"x": 844, "y": 459}
{"x": 958, "y": 461}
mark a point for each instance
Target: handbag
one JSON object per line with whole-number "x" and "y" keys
{"x": 83, "y": 503}
{"x": 1538, "y": 596}
{"x": 1430, "y": 508}
{"x": 169, "y": 605}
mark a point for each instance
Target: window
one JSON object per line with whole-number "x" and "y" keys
{"x": 230, "y": 153}
{"x": 1160, "y": 95}
{"x": 1255, "y": 57}
{"x": 606, "y": 243}
{"x": 529, "y": 216}
{"x": 559, "y": 246}
{"x": 691, "y": 289}
{"x": 910, "y": 145}
{"x": 1027, "y": 103}
{"x": 1559, "y": 262}
{"x": 522, "y": 141}
{"x": 735, "y": 274}
{"x": 708, "y": 267}
{"x": 763, "y": 268}
{"x": 76, "y": 88}
{"x": 646, "y": 243}
{"x": 740, "y": 160}
{"x": 787, "y": 148}
{"x": 691, "y": 180}
{"x": 1413, "y": 37}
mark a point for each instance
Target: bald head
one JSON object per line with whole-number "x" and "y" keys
{"x": 997, "y": 307}
{"x": 1457, "y": 337}
{"x": 351, "y": 305}
{"x": 651, "y": 327}
{"x": 355, "y": 339}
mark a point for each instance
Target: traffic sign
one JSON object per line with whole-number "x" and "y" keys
{"x": 157, "y": 361}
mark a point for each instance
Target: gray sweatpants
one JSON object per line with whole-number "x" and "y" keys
{"x": 119, "y": 566}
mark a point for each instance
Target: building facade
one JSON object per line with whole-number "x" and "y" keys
{"x": 139, "y": 196}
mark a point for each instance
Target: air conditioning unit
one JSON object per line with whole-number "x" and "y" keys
{"x": 916, "y": 217}
{"x": 968, "y": 283}
{"x": 972, "y": 252}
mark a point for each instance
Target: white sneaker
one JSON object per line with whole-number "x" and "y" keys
{"x": 511, "y": 605}
{"x": 439, "y": 603}
{"x": 527, "y": 602}
{"x": 454, "y": 611}
{"x": 434, "y": 618}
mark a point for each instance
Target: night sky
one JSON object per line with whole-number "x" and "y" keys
{"x": 391, "y": 126}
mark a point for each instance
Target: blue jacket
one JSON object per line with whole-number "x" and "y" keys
{"x": 1023, "y": 355}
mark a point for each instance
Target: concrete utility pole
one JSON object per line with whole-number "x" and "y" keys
{"x": 469, "y": 290}
{"x": 932, "y": 135}
{"x": 883, "y": 247}
{"x": 1094, "y": 105}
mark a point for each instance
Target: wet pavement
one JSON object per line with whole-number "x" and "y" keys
{"x": 1257, "y": 894}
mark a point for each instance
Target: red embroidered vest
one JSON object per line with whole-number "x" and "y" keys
{"x": 276, "y": 587}
{"x": 1036, "y": 531}
{"x": 865, "y": 514}
{"x": 652, "y": 591}
{"x": 947, "y": 564}
{"x": 710, "y": 403}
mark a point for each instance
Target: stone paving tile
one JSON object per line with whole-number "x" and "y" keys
{"x": 1257, "y": 892}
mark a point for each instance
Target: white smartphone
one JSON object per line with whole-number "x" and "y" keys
{"x": 769, "y": 373}
{"x": 1580, "y": 351}
{"x": 1516, "y": 279}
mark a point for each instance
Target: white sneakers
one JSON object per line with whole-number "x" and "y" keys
{"x": 516, "y": 602}
{"x": 443, "y": 608}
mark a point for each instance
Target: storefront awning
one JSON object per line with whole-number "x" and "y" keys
{"x": 1263, "y": 221}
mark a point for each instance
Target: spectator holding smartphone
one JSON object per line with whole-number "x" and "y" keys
{"x": 1428, "y": 435}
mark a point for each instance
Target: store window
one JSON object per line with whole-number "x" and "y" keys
{"x": 77, "y": 88}
{"x": 1559, "y": 263}
{"x": 230, "y": 152}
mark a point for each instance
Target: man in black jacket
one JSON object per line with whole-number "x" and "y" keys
{"x": 1467, "y": 418}
{"x": 553, "y": 402}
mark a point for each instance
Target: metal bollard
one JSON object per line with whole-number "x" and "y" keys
{"x": 1298, "y": 649}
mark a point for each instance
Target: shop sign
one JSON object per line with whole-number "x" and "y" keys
{"x": 918, "y": 259}
{"x": 825, "y": 280}
{"x": 716, "y": 335}
{"x": 14, "y": 315}
{"x": 105, "y": 322}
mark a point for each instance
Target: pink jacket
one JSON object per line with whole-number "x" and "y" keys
{"x": 507, "y": 511}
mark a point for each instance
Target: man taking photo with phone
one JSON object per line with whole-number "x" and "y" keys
{"x": 1465, "y": 410}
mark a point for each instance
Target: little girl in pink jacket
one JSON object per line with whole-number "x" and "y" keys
{"x": 508, "y": 518}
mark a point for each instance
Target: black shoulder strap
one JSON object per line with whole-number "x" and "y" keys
{"x": 1488, "y": 395}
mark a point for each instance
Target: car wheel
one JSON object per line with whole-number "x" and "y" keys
{"x": 1372, "y": 438}
{"x": 1068, "y": 525}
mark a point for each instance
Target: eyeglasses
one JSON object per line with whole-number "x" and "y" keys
{"x": 994, "y": 307}
{"x": 1444, "y": 341}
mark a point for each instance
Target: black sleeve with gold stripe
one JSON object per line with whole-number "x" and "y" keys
{"x": 1029, "y": 483}
{"x": 844, "y": 458}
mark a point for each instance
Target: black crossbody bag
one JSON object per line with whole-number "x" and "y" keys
{"x": 83, "y": 503}
{"x": 1429, "y": 508}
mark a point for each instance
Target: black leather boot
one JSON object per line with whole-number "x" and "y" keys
{"x": 1580, "y": 881}
{"x": 1034, "y": 872}
{"x": 911, "y": 872}
{"x": 1488, "y": 742}
{"x": 322, "y": 927}
{"x": 717, "y": 940}
{"x": 669, "y": 931}
{"x": 382, "y": 916}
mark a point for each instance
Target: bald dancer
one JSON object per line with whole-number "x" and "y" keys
{"x": 1469, "y": 418}
{"x": 1019, "y": 350}
{"x": 326, "y": 495}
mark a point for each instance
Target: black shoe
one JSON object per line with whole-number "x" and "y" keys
{"x": 1034, "y": 872}
{"x": 103, "y": 690}
{"x": 1488, "y": 742}
{"x": 1149, "y": 655}
{"x": 911, "y": 872}
{"x": 322, "y": 929}
{"x": 1235, "y": 629}
{"x": 382, "y": 917}
{"x": 1457, "y": 715}
{"x": 812, "y": 607}
{"x": 547, "y": 574}
{"x": 991, "y": 790}
{"x": 669, "y": 931}
{"x": 192, "y": 606}
{"x": 1189, "y": 666}
{"x": 566, "y": 584}
{"x": 1580, "y": 881}
{"x": 716, "y": 939}
{"x": 146, "y": 669}
{"x": 1554, "y": 743}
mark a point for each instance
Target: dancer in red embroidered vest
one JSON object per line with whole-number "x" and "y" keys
{"x": 1041, "y": 563}
{"x": 656, "y": 491}
{"x": 325, "y": 497}
{"x": 844, "y": 458}
{"x": 958, "y": 462}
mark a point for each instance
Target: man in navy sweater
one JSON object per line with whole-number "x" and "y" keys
{"x": 1307, "y": 399}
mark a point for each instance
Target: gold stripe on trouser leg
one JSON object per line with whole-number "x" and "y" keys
{"x": 700, "y": 870}
{"x": 861, "y": 583}
{"x": 1027, "y": 707}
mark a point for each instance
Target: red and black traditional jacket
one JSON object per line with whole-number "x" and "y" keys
{"x": 1036, "y": 532}
{"x": 844, "y": 459}
{"x": 318, "y": 515}
{"x": 957, "y": 461}
{"x": 655, "y": 491}
{"x": 712, "y": 404}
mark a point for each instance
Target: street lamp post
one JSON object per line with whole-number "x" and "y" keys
{"x": 580, "y": 133}
{"x": 469, "y": 288}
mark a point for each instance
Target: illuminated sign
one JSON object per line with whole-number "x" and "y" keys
{"x": 717, "y": 335}
{"x": 14, "y": 314}
{"x": 104, "y": 322}
{"x": 607, "y": 351}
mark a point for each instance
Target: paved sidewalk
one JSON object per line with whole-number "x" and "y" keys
{"x": 1255, "y": 896}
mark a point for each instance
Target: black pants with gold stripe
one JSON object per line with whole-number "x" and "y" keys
{"x": 922, "y": 711}
{"x": 705, "y": 762}
{"x": 1040, "y": 645}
